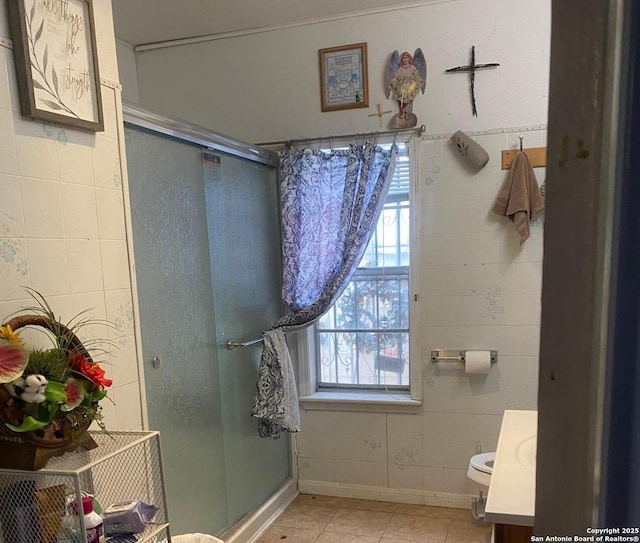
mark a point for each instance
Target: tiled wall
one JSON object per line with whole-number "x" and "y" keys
{"x": 480, "y": 290}
{"x": 62, "y": 221}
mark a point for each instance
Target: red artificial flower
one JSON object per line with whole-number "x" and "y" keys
{"x": 93, "y": 371}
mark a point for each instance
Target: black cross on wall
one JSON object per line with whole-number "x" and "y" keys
{"x": 471, "y": 68}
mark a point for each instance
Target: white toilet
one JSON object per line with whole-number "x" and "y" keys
{"x": 480, "y": 470}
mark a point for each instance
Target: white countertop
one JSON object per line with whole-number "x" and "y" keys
{"x": 512, "y": 491}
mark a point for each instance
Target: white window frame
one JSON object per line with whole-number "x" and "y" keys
{"x": 302, "y": 344}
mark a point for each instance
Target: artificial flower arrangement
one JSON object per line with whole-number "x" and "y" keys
{"x": 57, "y": 387}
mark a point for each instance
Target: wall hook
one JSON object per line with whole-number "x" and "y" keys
{"x": 521, "y": 138}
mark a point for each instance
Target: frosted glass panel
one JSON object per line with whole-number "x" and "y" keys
{"x": 207, "y": 252}
{"x": 171, "y": 249}
{"x": 245, "y": 262}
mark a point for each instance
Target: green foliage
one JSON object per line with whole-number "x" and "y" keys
{"x": 52, "y": 363}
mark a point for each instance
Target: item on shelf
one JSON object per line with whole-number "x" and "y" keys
{"x": 50, "y": 504}
{"x": 39, "y": 506}
{"x": 48, "y": 397}
{"x": 18, "y": 514}
{"x": 93, "y": 524}
{"x": 129, "y": 517}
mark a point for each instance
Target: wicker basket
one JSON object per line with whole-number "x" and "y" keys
{"x": 31, "y": 450}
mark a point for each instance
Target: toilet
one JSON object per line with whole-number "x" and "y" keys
{"x": 480, "y": 469}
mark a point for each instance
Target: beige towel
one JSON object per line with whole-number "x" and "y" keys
{"x": 519, "y": 198}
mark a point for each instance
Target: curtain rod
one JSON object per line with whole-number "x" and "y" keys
{"x": 419, "y": 131}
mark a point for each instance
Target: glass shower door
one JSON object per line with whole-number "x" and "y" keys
{"x": 206, "y": 244}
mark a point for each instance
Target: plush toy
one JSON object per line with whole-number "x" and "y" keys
{"x": 29, "y": 389}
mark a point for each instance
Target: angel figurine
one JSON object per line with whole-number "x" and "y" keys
{"x": 406, "y": 75}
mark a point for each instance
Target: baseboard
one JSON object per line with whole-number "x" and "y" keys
{"x": 417, "y": 497}
{"x": 251, "y": 526}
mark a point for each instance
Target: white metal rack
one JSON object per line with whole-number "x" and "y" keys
{"x": 34, "y": 505}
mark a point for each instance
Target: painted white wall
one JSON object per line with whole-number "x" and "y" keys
{"x": 480, "y": 288}
{"x": 62, "y": 218}
{"x": 265, "y": 86}
{"x": 128, "y": 72}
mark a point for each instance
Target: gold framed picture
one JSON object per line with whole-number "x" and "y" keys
{"x": 343, "y": 77}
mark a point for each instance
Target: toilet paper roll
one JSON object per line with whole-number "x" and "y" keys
{"x": 477, "y": 362}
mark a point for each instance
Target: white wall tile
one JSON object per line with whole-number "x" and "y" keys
{"x": 106, "y": 162}
{"x": 80, "y": 211}
{"x": 519, "y": 370}
{"x": 115, "y": 264}
{"x": 75, "y": 158}
{"x": 62, "y": 306}
{"x": 450, "y": 217}
{"x": 13, "y": 82}
{"x": 433, "y": 480}
{"x": 49, "y": 266}
{"x": 342, "y": 422}
{"x": 124, "y": 366}
{"x": 120, "y": 314}
{"x": 317, "y": 469}
{"x": 405, "y": 477}
{"x": 85, "y": 265}
{"x": 14, "y": 268}
{"x": 361, "y": 473}
{"x": 109, "y": 112}
{"x": 491, "y": 308}
{"x": 11, "y": 213}
{"x": 457, "y": 453}
{"x": 315, "y": 444}
{"x": 110, "y": 213}
{"x": 36, "y": 148}
{"x": 457, "y": 482}
{"x": 5, "y": 97}
{"x": 42, "y": 205}
{"x": 128, "y": 413}
{"x": 8, "y": 156}
{"x": 405, "y": 439}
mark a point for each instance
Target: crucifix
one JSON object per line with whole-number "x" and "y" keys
{"x": 471, "y": 68}
{"x": 379, "y": 114}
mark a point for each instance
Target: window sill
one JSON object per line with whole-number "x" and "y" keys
{"x": 361, "y": 401}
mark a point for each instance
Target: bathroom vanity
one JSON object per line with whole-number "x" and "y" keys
{"x": 512, "y": 494}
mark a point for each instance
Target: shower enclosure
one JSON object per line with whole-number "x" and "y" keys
{"x": 205, "y": 232}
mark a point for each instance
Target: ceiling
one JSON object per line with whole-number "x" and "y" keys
{"x": 142, "y": 22}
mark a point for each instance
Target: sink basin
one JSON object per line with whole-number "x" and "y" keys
{"x": 526, "y": 453}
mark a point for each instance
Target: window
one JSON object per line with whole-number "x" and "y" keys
{"x": 362, "y": 342}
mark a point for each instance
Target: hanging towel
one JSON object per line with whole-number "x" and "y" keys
{"x": 519, "y": 198}
{"x": 275, "y": 403}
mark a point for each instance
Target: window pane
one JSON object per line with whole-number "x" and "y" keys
{"x": 389, "y": 245}
{"x": 370, "y": 302}
{"x": 363, "y": 340}
{"x": 363, "y": 358}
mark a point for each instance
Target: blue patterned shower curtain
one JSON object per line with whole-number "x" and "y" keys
{"x": 330, "y": 203}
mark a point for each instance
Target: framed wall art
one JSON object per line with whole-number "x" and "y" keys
{"x": 57, "y": 62}
{"x": 343, "y": 77}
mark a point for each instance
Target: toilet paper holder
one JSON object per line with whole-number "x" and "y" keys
{"x": 438, "y": 355}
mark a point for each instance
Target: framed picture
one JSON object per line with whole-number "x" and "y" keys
{"x": 56, "y": 61}
{"x": 343, "y": 77}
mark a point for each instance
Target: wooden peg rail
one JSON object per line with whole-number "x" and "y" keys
{"x": 537, "y": 156}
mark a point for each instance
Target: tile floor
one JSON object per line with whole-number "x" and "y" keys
{"x": 325, "y": 519}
